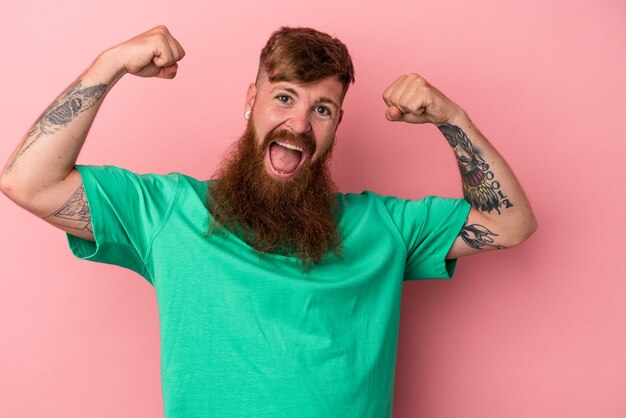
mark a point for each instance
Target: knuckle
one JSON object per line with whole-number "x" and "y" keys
{"x": 161, "y": 33}
{"x": 410, "y": 79}
{"x": 417, "y": 80}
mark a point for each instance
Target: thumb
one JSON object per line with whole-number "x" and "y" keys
{"x": 393, "y": 114}
{"x": 168, "y": 72}
{"x": 412, "y": 118}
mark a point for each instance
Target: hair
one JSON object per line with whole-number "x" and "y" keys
{"x": 296, "y": 217}
{"x": 305, "y": 55}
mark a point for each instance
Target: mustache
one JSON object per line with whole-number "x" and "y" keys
{"x": 303, "y": 140}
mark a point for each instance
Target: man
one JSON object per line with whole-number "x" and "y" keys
{"x": 277, "y": 296}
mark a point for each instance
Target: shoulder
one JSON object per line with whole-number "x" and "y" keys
{"x": 399, "y": 210}
{"x": 113, "y": 176}
{"x": 366, "y": 205}
{"x": 369, "y": 199}
{"x": 363, "y": 198}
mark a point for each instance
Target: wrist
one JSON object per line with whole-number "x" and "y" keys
{"x": 457, "y": 117}
{"x": 106, "y": 68}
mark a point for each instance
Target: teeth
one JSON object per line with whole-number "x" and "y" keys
{"x": 293, "y": 147}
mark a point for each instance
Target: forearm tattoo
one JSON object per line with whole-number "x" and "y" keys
{"x": 74, "y": 213}
{"x": 59, "y": 114}
{"x": 479, "y": 237}
{"x": 480, "y": 188}
{"x": 73, "y": 102}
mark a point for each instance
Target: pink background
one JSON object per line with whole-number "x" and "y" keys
{"x": 538, "y": 331}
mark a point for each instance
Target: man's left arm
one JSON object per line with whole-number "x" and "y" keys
{"x": 501, "y": 216}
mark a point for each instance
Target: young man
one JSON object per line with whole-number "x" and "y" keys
{"x": 277, "y": 295}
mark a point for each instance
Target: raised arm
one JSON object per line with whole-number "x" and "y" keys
{"x": 40, "y": 175}
{"x": 501, "y": 216}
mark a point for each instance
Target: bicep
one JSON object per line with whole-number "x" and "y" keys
{"x": 65, "y": 206}
{"x": 478, "y": 235}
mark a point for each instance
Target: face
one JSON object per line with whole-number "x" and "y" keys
{"x": 312, "y": 110}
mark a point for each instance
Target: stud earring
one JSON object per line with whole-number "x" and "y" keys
{"x": 247, "y": 114}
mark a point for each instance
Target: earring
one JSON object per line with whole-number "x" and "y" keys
{"x": 247, "y": 114}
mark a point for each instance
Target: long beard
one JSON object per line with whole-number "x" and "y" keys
{"x": 295, "y": 217}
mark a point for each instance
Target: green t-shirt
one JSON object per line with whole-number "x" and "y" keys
{"x": 245, "y": 334}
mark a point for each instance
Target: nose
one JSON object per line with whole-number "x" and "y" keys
{"x": 299, "y": 122}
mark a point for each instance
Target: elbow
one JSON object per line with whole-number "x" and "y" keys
{"x": 524, "y": 231}
{"x": 9, "y": 189}
{"x": 5, "y": 185}
{"x": 530, "y": 227}
{"x": 13, "y": 189}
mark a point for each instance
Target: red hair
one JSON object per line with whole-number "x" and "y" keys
{"x": 305, "y": 55}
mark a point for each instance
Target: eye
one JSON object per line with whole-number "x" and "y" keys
{"x": 323, "y": 110}
{"x": 283, "y": 98}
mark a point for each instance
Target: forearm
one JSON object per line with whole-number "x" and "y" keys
{"x": 489, "y": 184}
{"x": 51, "y": 147}
{"x": 501, "y": 215}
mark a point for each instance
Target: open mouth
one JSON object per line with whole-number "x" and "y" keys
{"x": 285, "y": 158}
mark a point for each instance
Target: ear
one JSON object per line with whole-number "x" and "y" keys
{"x": 250, "y": 96}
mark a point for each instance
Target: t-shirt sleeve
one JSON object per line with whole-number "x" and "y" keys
{"x": 127, "y": 210}
{"x": 428, "y": 227}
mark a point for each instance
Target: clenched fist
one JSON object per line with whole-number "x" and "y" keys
{"x": 412, "y": 99}
{"x": 154, "y": 53}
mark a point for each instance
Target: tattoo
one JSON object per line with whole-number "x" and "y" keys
{"x": 480, "y": 188}
{"x": 479, "y": 237}
{"x": 74, "y": 213}
{"x": 73, "y": 102}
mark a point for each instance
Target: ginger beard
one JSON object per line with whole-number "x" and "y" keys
{"x": 294, "y": 217}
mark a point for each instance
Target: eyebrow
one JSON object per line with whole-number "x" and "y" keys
{"x": 322, "y": 99}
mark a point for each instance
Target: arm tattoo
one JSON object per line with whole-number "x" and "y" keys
{"x": 480, "y": 188}
{"x": 478, "y": 237}
{"x": 74, "y": 213}
{"x": 64, "y": 110}
{"x": 73, "y": 102}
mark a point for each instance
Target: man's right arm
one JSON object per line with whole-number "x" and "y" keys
{"x": 40, "y": 175}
